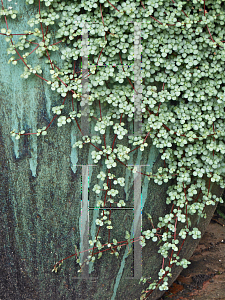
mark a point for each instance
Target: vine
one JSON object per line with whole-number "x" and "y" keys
{"x": 182, "y": 100}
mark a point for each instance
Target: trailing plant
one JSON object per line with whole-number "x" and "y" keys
{"x": 181, "y": 106}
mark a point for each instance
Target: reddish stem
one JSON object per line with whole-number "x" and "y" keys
{"x": 56, "y": 43}
{"x": 101, "y": 14}
{"x": 142, "y": 4}
{"x": 113, "y": 5}
{"x": 210, "y": 33}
